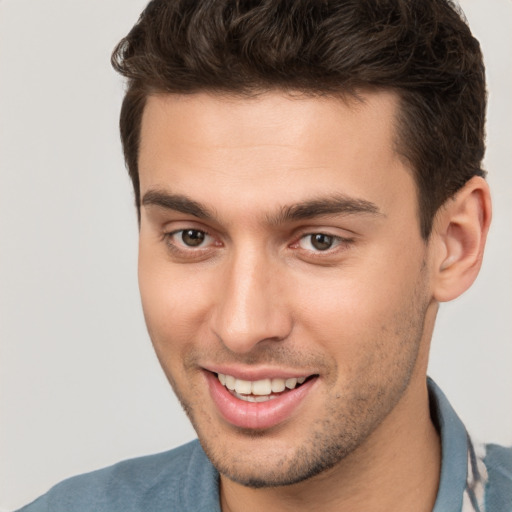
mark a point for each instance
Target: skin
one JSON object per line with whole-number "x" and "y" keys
{"x": 257, "y": 295}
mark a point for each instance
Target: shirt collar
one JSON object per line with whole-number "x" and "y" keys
{"x": 454, "y": 451}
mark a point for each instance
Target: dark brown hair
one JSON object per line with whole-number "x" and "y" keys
{"x": 422, "y": 49}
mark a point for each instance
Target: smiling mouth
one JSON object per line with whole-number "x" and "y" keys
{"x": 260, "y": 390}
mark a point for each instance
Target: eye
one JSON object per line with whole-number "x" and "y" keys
{"x": 193, "y": 237}
{"x": 318, "y": 242}
{"x": 188, "y": 239}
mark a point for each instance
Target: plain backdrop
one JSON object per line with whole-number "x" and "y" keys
{"x": 80, "y": 387}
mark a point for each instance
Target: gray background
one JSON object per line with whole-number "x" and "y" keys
{"x": 80, "y": 387}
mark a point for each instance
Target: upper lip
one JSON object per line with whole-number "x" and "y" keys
{"x": 257, "y": 373}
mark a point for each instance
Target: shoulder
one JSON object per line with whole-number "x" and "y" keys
{"x": 156, "y": 482}
{"x": 498, "y": 462}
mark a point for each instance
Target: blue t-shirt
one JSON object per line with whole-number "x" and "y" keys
{"x": 474, "y": 478}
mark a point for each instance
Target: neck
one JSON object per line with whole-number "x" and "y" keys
{"x": 397, "y": 468}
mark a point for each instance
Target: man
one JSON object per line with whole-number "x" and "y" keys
{"x": 309, "y": 187}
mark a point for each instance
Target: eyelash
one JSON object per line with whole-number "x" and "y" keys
{"x": 339, "y": 244}
{"x": 184, "y": 249}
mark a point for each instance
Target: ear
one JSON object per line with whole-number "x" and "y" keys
{"x": 458, "y": 239}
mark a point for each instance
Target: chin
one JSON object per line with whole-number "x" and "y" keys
{"x": 258, "y": 459}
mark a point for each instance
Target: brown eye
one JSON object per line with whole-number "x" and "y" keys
{"x": 322, "y": 245}
{"x": 321, "y": 242}
{"x": 193, "y": 237}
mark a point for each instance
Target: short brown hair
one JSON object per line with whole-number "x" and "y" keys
{"x": 422, "y": 49}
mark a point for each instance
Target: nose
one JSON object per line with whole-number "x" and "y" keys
{"x": 251, "y": 307}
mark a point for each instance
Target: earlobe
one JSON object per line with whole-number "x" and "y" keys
{"x": 459, "y": 235}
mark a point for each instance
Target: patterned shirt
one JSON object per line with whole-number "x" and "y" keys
{"x": 473, "y": 499}
{"x": 474, "y": 477}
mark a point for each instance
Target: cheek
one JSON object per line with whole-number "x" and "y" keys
{"x": 345, "y": 301}
{"x": 174, "y": 300}
{"x": 358, "y": 312}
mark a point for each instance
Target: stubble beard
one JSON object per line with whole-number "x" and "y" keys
{"x": 346, "y": 424}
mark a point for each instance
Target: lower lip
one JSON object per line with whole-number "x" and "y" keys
{"x": 256, "y": 415}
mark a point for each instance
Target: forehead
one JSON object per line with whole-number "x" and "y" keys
{"x": 208, "y": 119}
{"x": 272, "y": 148}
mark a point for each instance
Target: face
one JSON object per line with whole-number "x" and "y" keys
{"x": 283, "y": 277}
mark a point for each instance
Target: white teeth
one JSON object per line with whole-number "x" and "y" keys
{"x": 230, "y": 382}
{"x": 252, "y": 398}
{"x": 243, "y": 387}
{"x": 277, "y": 385}
{"x": 259, "y": 389}
{"x": 262, "y": 387}
{"x": 291, "y": 383}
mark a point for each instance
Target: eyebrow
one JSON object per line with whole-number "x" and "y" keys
{"x": 319, "y": 207}
{"x": 324, "y": 206}
{"x": 177, "y": 202}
